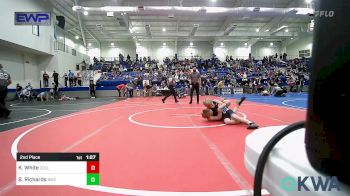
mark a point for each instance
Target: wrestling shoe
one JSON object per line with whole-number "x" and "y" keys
{"x": 163, "y": 100}
{"x": 252, "y": 126}
{"x": 241, "y": 101}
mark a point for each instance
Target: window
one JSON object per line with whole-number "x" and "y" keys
{"x": 35, "y": 30}
{"x": 304, "y": 53}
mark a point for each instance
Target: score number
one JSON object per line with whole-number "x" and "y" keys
{"x": 91, "y": 157}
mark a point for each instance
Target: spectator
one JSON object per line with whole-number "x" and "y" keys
{"x": 146, "y": 88}
{"x": 220, "y": 86}
{"x": 92, "y": 89}
{"x": 54, "y": 90}
{"x": 18, "y": 91}
{"x": 71, "y": 78}
{"x": 46, "y": 79}
{"x": 79, "y": 79}
{"x": 95, "y": 60}
{"x": 121, "y": 88}
{"x": 55, "y": 77}
{"x": 65, "y": 76}
{"x": 130, "y": 88}
{"x": 121, "y": 58}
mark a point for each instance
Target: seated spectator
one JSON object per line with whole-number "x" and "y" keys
{"x": 26, "y": 94}
{"x": 18, "y": 91}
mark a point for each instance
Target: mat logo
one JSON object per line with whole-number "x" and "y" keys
{"x": 310, "y": 183}
{"x": 322, "y": 13}
{"x": 33, "y": 18}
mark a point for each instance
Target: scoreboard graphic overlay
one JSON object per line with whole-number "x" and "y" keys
{"x": 57, "y": 169}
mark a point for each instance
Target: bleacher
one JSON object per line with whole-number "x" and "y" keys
{"x": 127, "y": 75}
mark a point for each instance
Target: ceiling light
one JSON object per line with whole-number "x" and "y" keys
{"x": 213, "y": 0}
{"x": 89, "y": 44}
{"x": 267, "y": 30}
{"x": 60, "y": 37}
{"x": 86, "y": 13}
{"x": 245, "y": 44}
{"x": 221, "y": 44}
{"x": 112, "y": 44}
{"x": 257, "y": 30}
{"x": 76, "y": 37}
{"x": 110, "y": 14}
{"x": 164, "y": 44}
{"x": 308, "y": 1}
{"x": 229, "y": 29}
{"x": 148, "y": 30}
{"x": 286, "y": 30}
{"x": 191, "y": 43}
{"x": 194, "y": 29}
{"x": 284, "y": 27}
{"x": 163, "y": 29}
{"x": 291, "y": 38}
{"x": 256, "y": 9}
{"x": 77, "y": 8}
{"x": 271, "y": 44}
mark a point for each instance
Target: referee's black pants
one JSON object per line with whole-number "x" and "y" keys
{"x": 195, "y": 86}
{"x": 172, "y": 92}
{"x": 3, "y": 94}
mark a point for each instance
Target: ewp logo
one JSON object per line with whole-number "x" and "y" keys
{"x": 318, "y": 184}
{"x": 33, "y": 18}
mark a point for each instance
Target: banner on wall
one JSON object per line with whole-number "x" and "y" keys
{"x": 33, "y": 18}
{"x": 238, "y": 90}
{"x": 226, "y": 91}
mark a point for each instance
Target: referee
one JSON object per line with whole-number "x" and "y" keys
{"x": 195, "y": 81}
{"x": 5, "y": 80}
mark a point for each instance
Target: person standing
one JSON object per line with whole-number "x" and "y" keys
{"x": 171, "y": 86}
{"x": 65, "y": 79}
{"x": 130, "y": 87}
{"x": 79, "y": 79}
{"x": 5, "y": 80}
{"x": 71, "y": 78}
{"x": 46, "y": 79}
{"x": 195, "y": 81}
{"x": 55, "y": 77}
{"x": 92, "y": 88}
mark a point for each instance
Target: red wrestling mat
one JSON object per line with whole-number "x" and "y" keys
{"x": 144, "y": 146}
